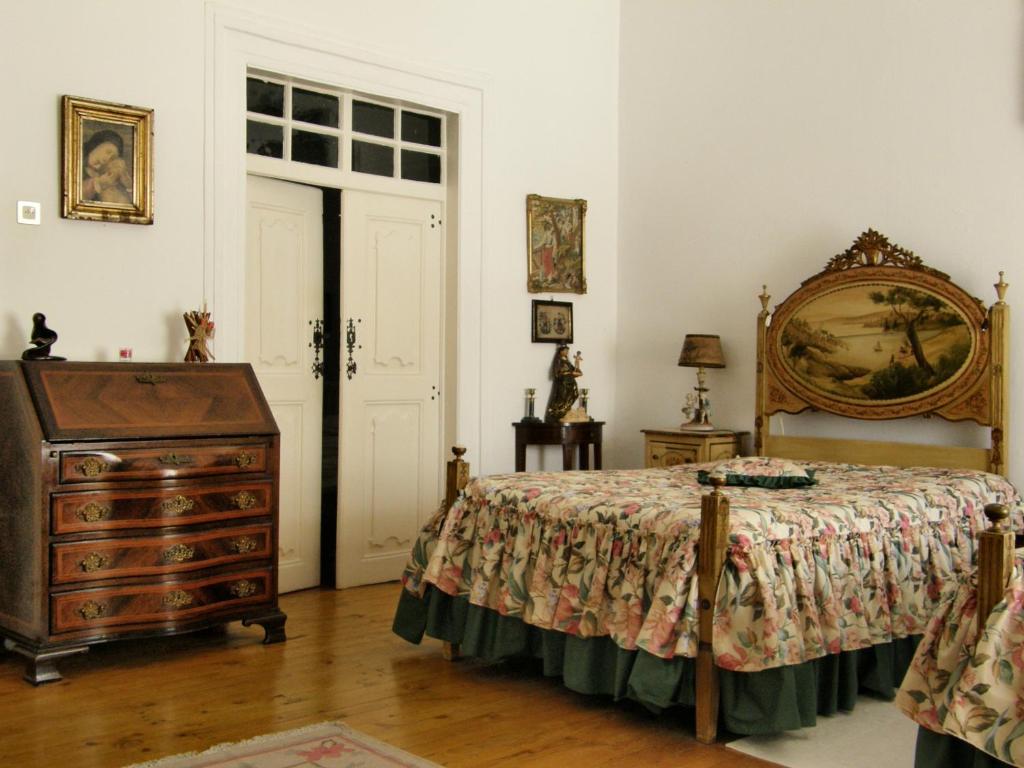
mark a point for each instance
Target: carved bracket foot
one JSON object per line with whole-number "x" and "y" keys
{"x": 41, "y": 666}
{"x": 273, "y": 626}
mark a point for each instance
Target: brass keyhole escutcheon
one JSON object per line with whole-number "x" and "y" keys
{"x": 179, "y": 553}
{"x": 179, "y": 598}
{"x": 92, "y": 610}
{"x": 94, "y": 561}
{"x": 92, "y": 467}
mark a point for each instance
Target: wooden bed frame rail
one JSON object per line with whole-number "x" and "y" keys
{"x": 995, "y": 565}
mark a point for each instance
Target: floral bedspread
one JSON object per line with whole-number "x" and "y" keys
{"x": 860, "y": 558}
{"x": 969, "y": 682}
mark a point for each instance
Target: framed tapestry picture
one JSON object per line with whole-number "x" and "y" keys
{"x": 552, "y": 322}
{"x": 555, "y": 243}
{"x": 108, "y": 161}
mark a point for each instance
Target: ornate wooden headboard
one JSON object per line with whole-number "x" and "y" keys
{"x": 879, "y": 335}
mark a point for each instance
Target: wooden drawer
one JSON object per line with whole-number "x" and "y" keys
{"x": 165, "y": 463}
{"x": 156, "y": 508}
{"x": 669, "y": 454}
{"x": 157, "y": 555}
{"x": 157, "y": 603}
{"x": 724, "y": 449}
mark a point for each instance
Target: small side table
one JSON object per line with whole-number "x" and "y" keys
{"x": 577, "y": 434}
{"x": 667, "y": 447}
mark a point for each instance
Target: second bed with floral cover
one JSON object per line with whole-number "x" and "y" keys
{"x": 858, "y": 559}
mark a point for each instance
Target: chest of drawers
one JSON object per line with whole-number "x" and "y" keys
{"x": 135, "y": 499}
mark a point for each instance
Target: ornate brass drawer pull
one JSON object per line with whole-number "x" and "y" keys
{"x": 177, "y": 505}
{"x": 179, "y": 553}
{"x": 244, "y": 500}
{"x": 92, "y": 610}
{"x": 94, "y": 561}
{"x": 244, "y": 544}
{"x": 93, "y": 512}
{"x": 243, "y": 588}
{"x": 92, "y": 467}
{"x": 245, "y": 459}
{"x": 177, "y": 599}
{"x": 175, "y": 460}
{"x": 150, "y": 378}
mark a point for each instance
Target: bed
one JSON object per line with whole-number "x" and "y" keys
{"x": 965, "y": 684}
{"x": 775, "y": 603}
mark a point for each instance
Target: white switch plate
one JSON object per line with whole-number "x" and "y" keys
{"x": 29, "y": 212}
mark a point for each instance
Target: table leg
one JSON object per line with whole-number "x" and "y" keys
{"x": 520, "y": 455}
{"x": 584, "y": 455}
{"x": 597, "y": 455}
{"x": 568, "y": 449}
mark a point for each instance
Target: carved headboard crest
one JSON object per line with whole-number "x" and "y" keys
{"x": 873, "y": 249}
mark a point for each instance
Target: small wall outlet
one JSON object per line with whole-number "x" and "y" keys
{"x": 29, "y": 212}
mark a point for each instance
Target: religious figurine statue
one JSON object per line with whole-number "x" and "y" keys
{"x": 200, "y": 332}
{"x": 563, "y": 389}
{"x": 42, "y": 340}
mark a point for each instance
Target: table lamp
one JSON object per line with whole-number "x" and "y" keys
{"x": 700, "y": 351}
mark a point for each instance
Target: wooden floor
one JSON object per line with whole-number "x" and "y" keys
{"x": 129, "y": 702}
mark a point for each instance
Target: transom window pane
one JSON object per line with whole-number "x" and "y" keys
{"x": 372, "y": 158}
{"x": 421, "y": 129}
{"x": 315, "y": 148}
{"x": 421, "y": 166}
{"x": 317, "y": 108}
{"x": 373, "y": 119}
{"x": 264, "y": 139}
{"x": 263, "y": 97}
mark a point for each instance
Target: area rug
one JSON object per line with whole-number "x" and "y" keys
{"x": 875, "y": 733}
{"x": 324, "y": 745}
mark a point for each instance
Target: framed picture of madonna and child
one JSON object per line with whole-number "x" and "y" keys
{"x": 108, "y": 161}
{"x": 555, "y": 243}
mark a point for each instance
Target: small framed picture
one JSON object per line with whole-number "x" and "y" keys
{"x": 552, "y": 322}
{"x": 108, "y": 161}
{"x": 555, "y": 244}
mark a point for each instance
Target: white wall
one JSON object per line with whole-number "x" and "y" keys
{"x": 759, "y": 139}
{"x": 550, "y": 126}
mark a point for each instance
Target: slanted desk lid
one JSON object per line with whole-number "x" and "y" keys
{"x": 84, "y": 401}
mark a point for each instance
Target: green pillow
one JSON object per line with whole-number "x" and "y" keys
{"x": 759, "y": 471}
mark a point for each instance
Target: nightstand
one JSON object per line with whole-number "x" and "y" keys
{"x": 667, "y": 447}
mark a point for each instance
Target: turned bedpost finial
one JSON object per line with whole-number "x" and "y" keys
{"x": 717, "y": 481}
{"x": 459, "y": 451}
{"x": 997, "y": 514}
{"x": 764, "y": 297}
{"x": 1001, "y": 287}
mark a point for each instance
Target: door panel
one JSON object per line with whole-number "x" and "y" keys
{"x": 390, "y": 407}
{"x": 283, "y": 296}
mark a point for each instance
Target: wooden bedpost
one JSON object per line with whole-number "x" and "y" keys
{"x": 714, "y": 536}
{"x": 456, "y": 479}
{"x": 995, "y": 560}
{"x": 998, "y": 326}
{"x": 761, "y": 419}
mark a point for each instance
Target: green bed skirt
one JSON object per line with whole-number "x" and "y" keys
{"x": 940, "y": 750}
{"x": 752, "y": 703}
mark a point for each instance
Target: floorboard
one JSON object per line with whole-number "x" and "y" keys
{"x": 133, "y": 701}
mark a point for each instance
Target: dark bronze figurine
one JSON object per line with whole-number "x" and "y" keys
{"x": 42, "y": 340}
{"x": 563, "y": 390}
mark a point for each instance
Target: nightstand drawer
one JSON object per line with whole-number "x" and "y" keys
{"x": 726, "y": 449}
{"x": 668, "y": 454}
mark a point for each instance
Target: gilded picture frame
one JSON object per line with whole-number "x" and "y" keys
{"x": 556, "y": 244}
{"x": 107, "y": 161}
{"x": 551, "y": 322}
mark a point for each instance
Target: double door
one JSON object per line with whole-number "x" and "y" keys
{"x": 392, "y": 346}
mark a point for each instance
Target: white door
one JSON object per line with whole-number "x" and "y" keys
{"x": 390, "y": 453}
{"x": 283, "y": 297}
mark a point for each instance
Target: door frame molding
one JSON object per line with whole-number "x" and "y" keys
{"x": 237, "y": 40}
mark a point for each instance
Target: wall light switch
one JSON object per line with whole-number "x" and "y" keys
{"x": 29, "y": 212}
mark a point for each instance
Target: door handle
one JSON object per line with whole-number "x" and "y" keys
{"x": 317, "y": 344}
{"x": 350, "y": 345}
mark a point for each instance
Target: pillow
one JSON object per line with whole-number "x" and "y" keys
{"x": 761, "y": 471}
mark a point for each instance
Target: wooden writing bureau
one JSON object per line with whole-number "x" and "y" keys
{"x": 135, "y": 499}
